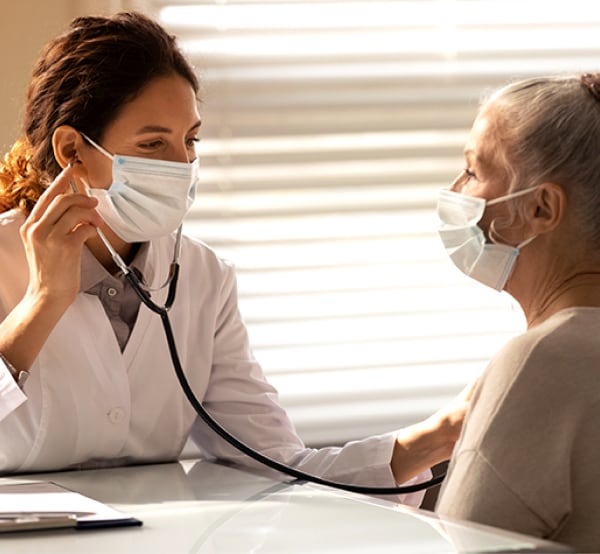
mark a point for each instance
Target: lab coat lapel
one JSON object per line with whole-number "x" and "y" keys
{"x": 96, "y": 342}
{"x": 147, "y": 320}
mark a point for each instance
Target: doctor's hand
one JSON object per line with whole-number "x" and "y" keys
{"x": 425, "y": 444}
{"x": 53, "y": 235}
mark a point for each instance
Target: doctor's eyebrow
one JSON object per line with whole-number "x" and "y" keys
{"x": 161, "y": 129}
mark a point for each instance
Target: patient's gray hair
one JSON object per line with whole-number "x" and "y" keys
{"x": 547, "y": 129}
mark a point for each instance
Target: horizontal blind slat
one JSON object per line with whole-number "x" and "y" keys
{"x": 328, "y": 129}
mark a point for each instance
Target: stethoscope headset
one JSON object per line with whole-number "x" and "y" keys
{"x": 143, "y": 293}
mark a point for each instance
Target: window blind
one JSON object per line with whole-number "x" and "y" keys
{"x": 328, "y": 129}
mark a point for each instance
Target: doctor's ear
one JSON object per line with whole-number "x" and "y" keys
{"x": 67, "y": 145}
{"x": 549, "y": 207}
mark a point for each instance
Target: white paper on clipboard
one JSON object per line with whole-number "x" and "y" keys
{"x": 46, "y": 503}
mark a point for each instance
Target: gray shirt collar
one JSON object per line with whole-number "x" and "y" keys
{"x": 93, "y": 272}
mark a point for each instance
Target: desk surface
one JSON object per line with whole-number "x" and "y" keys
{"x": 202, "y": 507}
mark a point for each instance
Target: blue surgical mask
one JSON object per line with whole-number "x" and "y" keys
{"x": 465, "y": 242}
{"x": 148, "y": 198}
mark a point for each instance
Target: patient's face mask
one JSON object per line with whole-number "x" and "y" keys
{"x": 465, "y": 242}
{"x": 148, "y": 198}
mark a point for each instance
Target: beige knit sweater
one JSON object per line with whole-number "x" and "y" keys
{"x": 528, "y": 459}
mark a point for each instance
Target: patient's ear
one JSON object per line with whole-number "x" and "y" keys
{"x": 548, "y": 209}
{"x": 66, "y": 144}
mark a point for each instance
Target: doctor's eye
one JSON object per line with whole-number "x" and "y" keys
{"x": 469, "y": 173}
{"x": 151, "y": 145}
{"x": 192, "y": 141}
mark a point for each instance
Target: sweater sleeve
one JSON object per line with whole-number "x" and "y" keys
{"x": 512, "y": 464}
{"x": 475, "y": 491}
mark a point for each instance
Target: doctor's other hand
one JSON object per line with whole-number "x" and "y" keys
{"x": 53, "y": 236}
{"x": 429, "y": 442}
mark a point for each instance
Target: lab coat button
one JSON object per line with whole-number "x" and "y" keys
{"x": 116, "y": 415}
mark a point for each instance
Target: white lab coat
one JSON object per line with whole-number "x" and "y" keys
{"x": 87, "y": 404}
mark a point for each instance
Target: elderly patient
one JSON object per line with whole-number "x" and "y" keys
{"x": 524, "y": 216}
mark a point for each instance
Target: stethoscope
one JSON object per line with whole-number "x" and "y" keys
{"x": 143, "y": 293}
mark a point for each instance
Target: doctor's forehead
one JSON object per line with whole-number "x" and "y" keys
{"x": 165, "y": 104}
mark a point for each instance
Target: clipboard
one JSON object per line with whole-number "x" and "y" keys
{"x": 37, "y": 505}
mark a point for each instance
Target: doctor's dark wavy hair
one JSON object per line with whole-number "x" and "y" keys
{"x": 547, "y": 129}
{"x": 83, "y": 78}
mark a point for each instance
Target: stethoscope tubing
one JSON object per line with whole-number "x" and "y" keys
{"x": 163, "y": 312}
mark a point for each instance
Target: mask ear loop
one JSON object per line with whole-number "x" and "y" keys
{"x": 510, "y": 196}
{"x": 526, "y": 242}
{"x": 173, "y": 268}
{"x": 97, "y": 146}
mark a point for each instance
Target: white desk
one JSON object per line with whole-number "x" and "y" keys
{"x": 201, "y": 507}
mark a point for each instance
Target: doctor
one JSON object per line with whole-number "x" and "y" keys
{"x": 86, "y": 378}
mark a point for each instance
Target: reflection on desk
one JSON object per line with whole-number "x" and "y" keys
{"x": 200, "y": 507}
